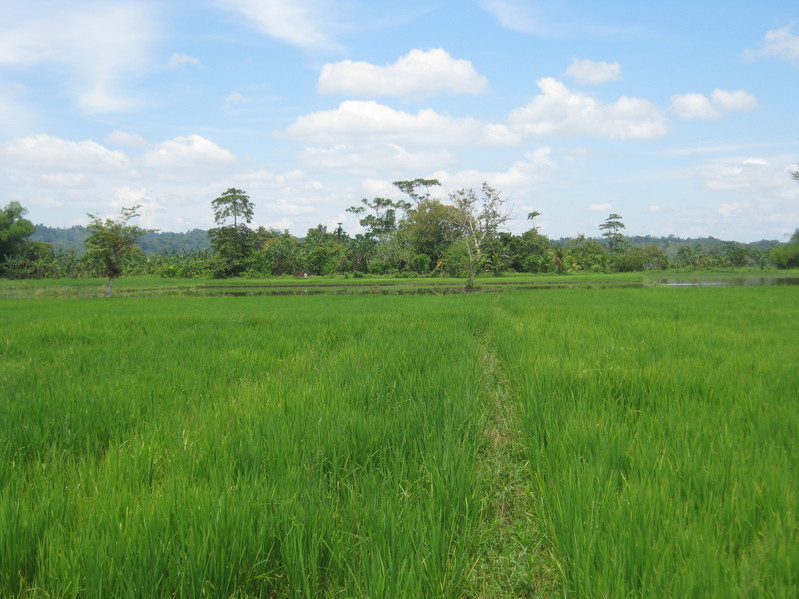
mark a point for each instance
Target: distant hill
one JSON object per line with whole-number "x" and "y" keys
{"x": 671, "y": 244}
{"x": 72, "y": 239}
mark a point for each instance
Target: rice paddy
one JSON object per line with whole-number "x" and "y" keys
{"x": 559, "y": 443}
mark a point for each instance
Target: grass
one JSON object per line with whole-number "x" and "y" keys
{"x": 661, "y": 431}
{"x": 574, "y": 442}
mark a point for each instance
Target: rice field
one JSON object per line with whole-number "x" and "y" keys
{"x": 558, "y": 443}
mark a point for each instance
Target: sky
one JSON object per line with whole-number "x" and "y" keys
{"x": 680, "y": 116}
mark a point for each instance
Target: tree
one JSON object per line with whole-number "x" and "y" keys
{"x": 232, "y": 242}
{"x": 112, "y": 241}
{"x": 413, "y": 188}
{"x": 531, "y": 216}
{"x": 14, "y": 230}
{"x": 430, "y": 229}
{"x": 611, "y": 228}
{"x": 383, "y": 220}
{"x": 478, "y": 218}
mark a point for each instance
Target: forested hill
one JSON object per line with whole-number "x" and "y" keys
{"x": 73, "y": 238}
{"x": 671, "y": 244}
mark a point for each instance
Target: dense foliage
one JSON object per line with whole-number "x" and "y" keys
{"x": 421, "y": 237}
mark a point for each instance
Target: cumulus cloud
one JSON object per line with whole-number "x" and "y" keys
{"x": 699, "y": 106}
{"x": 123, "y": 138}
{"x": 600, "y": 207}
{"x": 757, "y": 192}
{"x": 177, "y": 61}
{"x": 303, "y": 23}
{"x": 99, "y": 46}
{"x": 779, "y": 43}
{"x": 43, "y": 152}
{"x": 593, "y": 72}
{"x": 561, "y": 111}
{"x": 417, "y": 73}
{"x": 370, "y": 158}
{"x": 521, "y": 175}
{"x": 188, "y": 152}
{"x": 738, "y": 100}
{"x": 693, "y": 106}
{"x": 370, "y": 122}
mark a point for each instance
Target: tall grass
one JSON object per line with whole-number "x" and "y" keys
{"x": 299, "y": 447}
{"x": 662, "y": 431}
{"x": 331, "y": 446}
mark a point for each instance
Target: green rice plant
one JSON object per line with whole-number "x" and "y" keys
{"x": 661, "y": 428}
{"x": 251, "y": 447}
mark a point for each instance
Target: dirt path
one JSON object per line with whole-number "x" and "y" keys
{"x": 511, "y": 559}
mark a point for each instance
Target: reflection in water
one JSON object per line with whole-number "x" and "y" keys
{"x": 450, "y": 288}
{"x": 731, "y": 282}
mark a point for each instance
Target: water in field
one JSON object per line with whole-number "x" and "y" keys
{"x": 731, "y": 282}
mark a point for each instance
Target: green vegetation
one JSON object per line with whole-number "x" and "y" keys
{"x": 573, "y": 442}
{"x": 461, "y": 238}
{"x": 112, "y": 242}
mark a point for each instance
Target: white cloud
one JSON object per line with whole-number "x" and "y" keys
{"x": 188, "y": 152}
{"x": 123, "y": 138}
{"x": 45, "y": 153}
{"x": 265, "y": 178}
{"x": 752, "y": 172}
{"x": 370, "y": 122}
{"x": 148, "y": 208}
{"x": 515, "y": 15}
{"x": 593, "y": 72}
{"x": 417, "y": 73}
{"x": 286, "y": 208}
{"x": 728, "y": 210}
{"x": 519, "y": 180}
{"x": 303, "y": 23}
{"x": 236, "y": 101}
{"x": 369, "y": 158}
{"x": 99, "y": 45}
{"x": 560, "y": 111}
{"x": 693, "y": 106}
{"x": 236, "y": 98}
{"x": 779, "y": 43}
{"x": 65, "y": 180}
{"x": 699, "y": 106}
{"x": 600, "y": 207}
{"x": 738, "y": 100}
{"x": 177, "y": 61}
{"x": 16, "y": 116}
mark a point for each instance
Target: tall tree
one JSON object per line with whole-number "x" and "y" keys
{"x": 232, "y": 242}
{"x": 112, "y": 241}
{"x": 612, "y": 227}
{"x": 479, "y": 216}
{"x": 14, "y": 230}
{"x": 381, "y": 216}
{"x": 430, "y": 229}
{"x": 413, "y": 189}
{"x": 531, "y": 216}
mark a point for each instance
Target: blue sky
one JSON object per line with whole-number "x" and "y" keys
{"x": 680, "y": 116}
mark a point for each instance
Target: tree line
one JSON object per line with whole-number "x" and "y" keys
{"x": 418, "y": 236}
